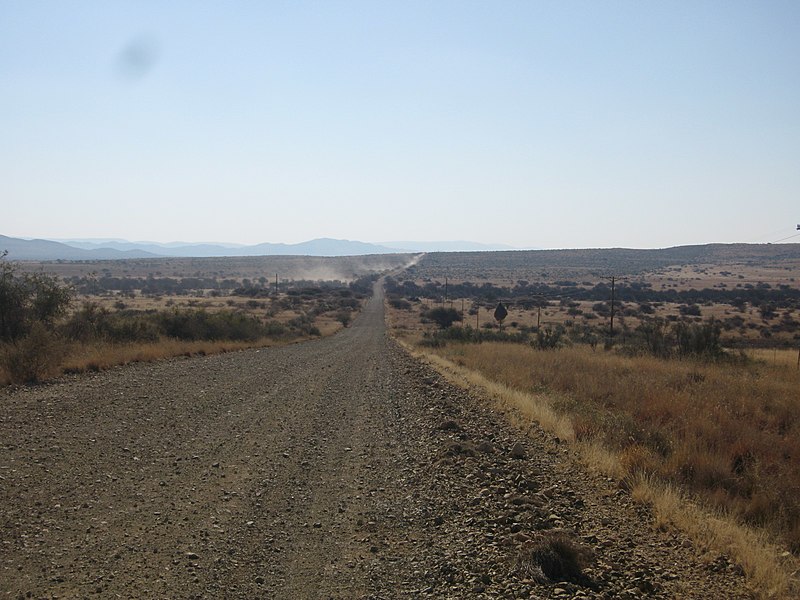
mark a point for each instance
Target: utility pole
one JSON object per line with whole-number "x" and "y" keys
{"x": 613, "y": 298}
{"x": 276, "y": 284}
{"x": 445, "y": 292}
{"x": 612, "y": 309}
{"x": 462, "y": 311}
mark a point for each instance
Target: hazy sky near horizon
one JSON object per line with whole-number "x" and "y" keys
{"x": 534, "y": 124}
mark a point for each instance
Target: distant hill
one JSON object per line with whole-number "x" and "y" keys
{"x": 317, "y": 247}
{"x": 460, "y": 246}
{"x": 571, "y": 263}
{"x": 109, "y": 249}
{"x": 19, "y": 249}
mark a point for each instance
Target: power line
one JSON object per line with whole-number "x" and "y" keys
{"x": 786, "y": 238}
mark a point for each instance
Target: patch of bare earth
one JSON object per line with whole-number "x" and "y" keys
{"x": 338, "y": 468}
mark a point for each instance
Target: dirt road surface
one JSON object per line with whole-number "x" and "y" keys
{"x": 338, "y": 468}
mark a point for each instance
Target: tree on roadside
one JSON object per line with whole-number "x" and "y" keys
{"x": 28, "y": 298}
{"x": 29, "y": 307}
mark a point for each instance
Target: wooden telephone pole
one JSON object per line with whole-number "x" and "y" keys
{"x": 611, "y": 332}
{"x": 613, "y": 298}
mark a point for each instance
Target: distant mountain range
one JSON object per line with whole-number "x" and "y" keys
{"x": 110, "y": 249}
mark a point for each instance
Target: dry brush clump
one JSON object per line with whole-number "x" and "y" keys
{"x": 553, "y": 556}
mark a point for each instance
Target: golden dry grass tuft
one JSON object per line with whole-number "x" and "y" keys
{"x": 100, "y": 356}
{"x": 768, "y": 569}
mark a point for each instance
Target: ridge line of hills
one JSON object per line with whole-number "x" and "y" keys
{"x": 111, "y": 249}
{"x": 50, "y": 250}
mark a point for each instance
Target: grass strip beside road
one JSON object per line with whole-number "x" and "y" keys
{"x": 578, "y": 396}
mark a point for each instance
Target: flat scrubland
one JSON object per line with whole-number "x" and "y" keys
{"x": 68, "y": 317}
{"x": 692, "y": 404}
{"x": 288, "y": 268}
{"x": 752, "y": 291}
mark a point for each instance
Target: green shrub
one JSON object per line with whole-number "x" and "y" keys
{"x": 201, "y": 325}
{"x": 548, "y": 338}
{"x": 28, "y": 298}
{"x": 343, "y": 316}
{"x": 443, "y": 317}
{"x": 400, "y": 304}
{"x": 699, "y": 339}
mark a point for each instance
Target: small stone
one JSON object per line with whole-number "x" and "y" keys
{"x": 485, "y": 447}
{"x": 518, "y": 451}
{"x": 260, "y": 580}
{"x": 192, "y": 556}
{"x": 449, "y": 425}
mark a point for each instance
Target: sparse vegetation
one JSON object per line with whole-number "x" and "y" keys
{"x": 44, "y": 335}
{"x": 443, "y": 317}
{"x": 680, "y": 399}
{"x": 552, "y": 557}
{"x": 727, "y": 432}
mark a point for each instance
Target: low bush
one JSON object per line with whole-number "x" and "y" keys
{"x": 443, "y": 317}
{"x": 554, "y": 557}
{"x": 32, "y": 358}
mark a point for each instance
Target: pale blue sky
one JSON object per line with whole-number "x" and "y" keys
{"x": 535, "y": 124}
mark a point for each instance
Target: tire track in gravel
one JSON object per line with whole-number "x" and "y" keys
{"x": 318, "y": 470}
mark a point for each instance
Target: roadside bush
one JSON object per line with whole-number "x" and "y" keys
{"x": 400, "y": 304}
{"x": 690, "y": 310}
{"x": 275, "y": 328}
{"x": 87, "y": 323}
{"x": 469, "y": 334}
{"x": 699, "y": 339}
{"x": 28, "y": 298}
{"x": 201, "y": 325}
{"x": 654, "y": 333}
{"x": 443, "y": 317}
{"x": 34, "y": 357}
{"x": 343, "y": 316}
{"x": 548, "y": 338}
{"x": 304, "y": 325}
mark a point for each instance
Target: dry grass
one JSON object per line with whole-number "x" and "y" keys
{"x": 78, "y": 357}
{"x": 82, "y": 358}
{"x": 728, "y": 432}
{"x": 768, "y": 569}
{"x": 101, "y": 356}
{"x": 725, "y": 434}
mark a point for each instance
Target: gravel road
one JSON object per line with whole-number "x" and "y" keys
{"x": 338, "y": 468}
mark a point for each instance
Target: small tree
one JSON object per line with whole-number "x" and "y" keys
{"x": 443, "y": 317}
{"x": 548, "y": 338}
{"x": 344, "y": 317}
{"x": 654, "y": 333}
{"x": 28, "y": 298}
{"x": 500, "y": 313}
{"x": 699, "y": 339}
